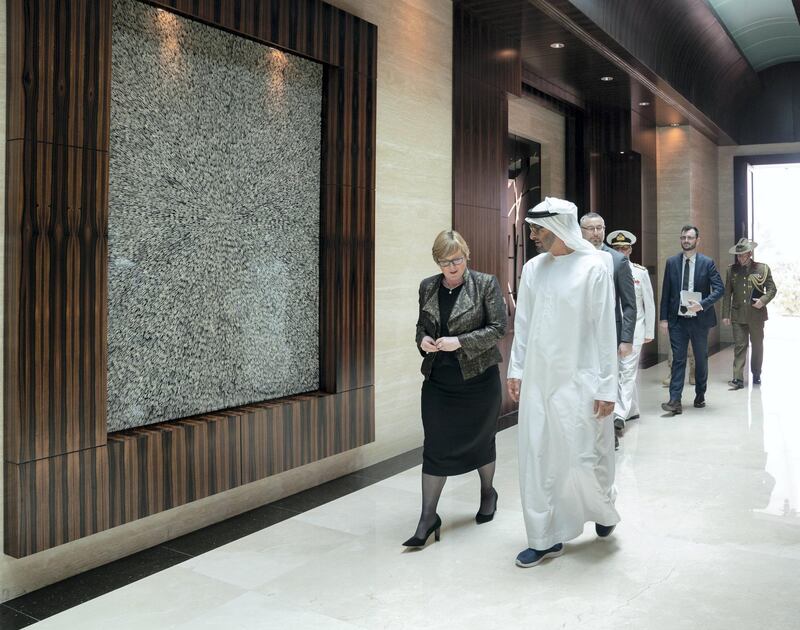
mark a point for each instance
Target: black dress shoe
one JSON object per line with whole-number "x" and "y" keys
{"x": 757, "y": 380}
{"x": 633, "y": 417}
{"x": 673, "y": 406}
{"x": 604, "y": 531}
{"x": 700, "y": 401}
{"x": 619, "y": 427}
{"x": 414, "y": 541}
{"x": 481, "y": 518}
{"x": 736, "y": 384}
{"x": 616, "y": 443}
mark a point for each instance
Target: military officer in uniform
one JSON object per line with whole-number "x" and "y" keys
{"x": 627, "y": 403}
{"x": 748, "y": 289}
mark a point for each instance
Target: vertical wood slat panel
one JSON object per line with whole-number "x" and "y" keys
{"x": 55, "y": 500}
{"x": 56, "y": 271}
{"x": 59, "y": 71}
{"x": 479, "y": 168}
{"x": 278, "y": 437}
{"x": 346, "y": 293}
{"x": 313, "y": 29}
{"x": 486, "y": 66}
{"x": 348, "y": 130}
{"x": 162, "y": 466}
{"x": 485, "y": 54}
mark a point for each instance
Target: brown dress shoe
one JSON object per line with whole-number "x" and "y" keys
{"x": 736, "y": 384}
{"x": 673, "y": 406}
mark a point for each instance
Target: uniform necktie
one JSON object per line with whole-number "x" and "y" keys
{"x": 685, "y": 286}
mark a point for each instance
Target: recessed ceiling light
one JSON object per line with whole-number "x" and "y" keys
{"x": 622, "y": 152}
{"x": 606, "y": 78}
{"x": 644, "y": 104}
{"x": 674, "y": 124}
{"x": 557, "y": 45}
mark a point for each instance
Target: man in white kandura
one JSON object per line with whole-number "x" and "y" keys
{"x": 627, "y": 407}
{"x": 563, "y": 372}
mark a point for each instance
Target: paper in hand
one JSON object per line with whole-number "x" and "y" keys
{"x": 686, "y": 297}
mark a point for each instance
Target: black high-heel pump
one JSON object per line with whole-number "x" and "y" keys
{"x": 485, "y": 518}
{"x": 414, "y": 541}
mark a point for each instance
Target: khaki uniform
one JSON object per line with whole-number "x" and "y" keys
{"x": 746, "y": 320}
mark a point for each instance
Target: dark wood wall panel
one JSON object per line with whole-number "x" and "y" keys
{"x": 59, "y": 71}
{"x": 56, "y": 500}
{"x": 59, "y": 67}
{"x": 346, "y": 305}
{"x": 486, "y": 68}
{"x": 480, "y": 227}
{"x": 308, "y": 27}
{"x": 348, "y": 137}
{"x": 480, "y": 128}
{"x": 277, "y": 437}
{"x": 162, "y": 466}
{"x": 485, "y": 53}
{"x": 55, "y": 295}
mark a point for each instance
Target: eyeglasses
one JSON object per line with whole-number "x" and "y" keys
{"x": 688, "y": 238}
{"x": 454, "y": 262}
{"x": 595, "y": 228}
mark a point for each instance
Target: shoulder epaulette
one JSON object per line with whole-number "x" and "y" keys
{"x": 638, "y": 266}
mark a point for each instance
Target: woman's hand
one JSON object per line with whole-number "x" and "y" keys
{"x": 447, "y": 344}
{"x": 428, "y": 344}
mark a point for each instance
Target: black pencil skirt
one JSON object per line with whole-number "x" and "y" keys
{"x": 460, "y": 420}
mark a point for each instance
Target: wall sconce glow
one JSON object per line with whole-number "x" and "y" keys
{"x": 557, "y": 45}
{"x": 644, "y": 104}
{"x": 606, "y": 79}
{"x": 507, "y": 53}
{"x": 168, "y": 28}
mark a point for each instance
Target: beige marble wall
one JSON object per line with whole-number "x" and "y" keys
{"x": 687, "y": 194}
{"x": 725, "y": 197}
{"x": 530, "y": 120}
{"x": 413, "y": 202}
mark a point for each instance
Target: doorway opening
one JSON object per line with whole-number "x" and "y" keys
{"x": 772, "y": 219}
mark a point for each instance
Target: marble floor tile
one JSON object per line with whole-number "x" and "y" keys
{"x": 710, "y": 538}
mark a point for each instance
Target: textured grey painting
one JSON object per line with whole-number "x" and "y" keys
{"x": 213, "y": 219}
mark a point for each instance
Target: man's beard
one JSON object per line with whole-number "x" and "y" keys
{"x": 544, "y": 243}
{"x": 687, "y": 247}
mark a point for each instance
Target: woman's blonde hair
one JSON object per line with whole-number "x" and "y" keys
{"x": 447, "y": 243}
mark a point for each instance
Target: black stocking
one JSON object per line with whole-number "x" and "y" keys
{"x": 488, "y": 496}
{"x": 431, "y": 491}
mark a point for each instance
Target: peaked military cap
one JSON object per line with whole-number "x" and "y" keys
{"x": 620, "y": 237}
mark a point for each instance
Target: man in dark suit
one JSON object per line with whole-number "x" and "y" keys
{"x": 593, "y": 228}
{"x": 690, "y": 321}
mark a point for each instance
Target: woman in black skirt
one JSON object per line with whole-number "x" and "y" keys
{"x": 462, "y": 316}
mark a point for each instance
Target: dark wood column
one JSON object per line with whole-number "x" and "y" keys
{"x": 486, "y": 67}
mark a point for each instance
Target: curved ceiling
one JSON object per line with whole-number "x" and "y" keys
{"x": 766, "y": 31}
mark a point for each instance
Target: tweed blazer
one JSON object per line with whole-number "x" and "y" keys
{"x": 478, "y": 319}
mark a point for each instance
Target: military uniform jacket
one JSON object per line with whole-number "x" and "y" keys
{"x": 739, "y": 283}
{"x": 478, "y": 319}
{"x": 645, "y": 305}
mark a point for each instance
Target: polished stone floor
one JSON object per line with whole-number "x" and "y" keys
{"x": 710, "y": 539}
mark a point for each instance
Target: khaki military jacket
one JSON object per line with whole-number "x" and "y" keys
{"x": 478, "y": 319}
{"x": 739, "y": 282}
